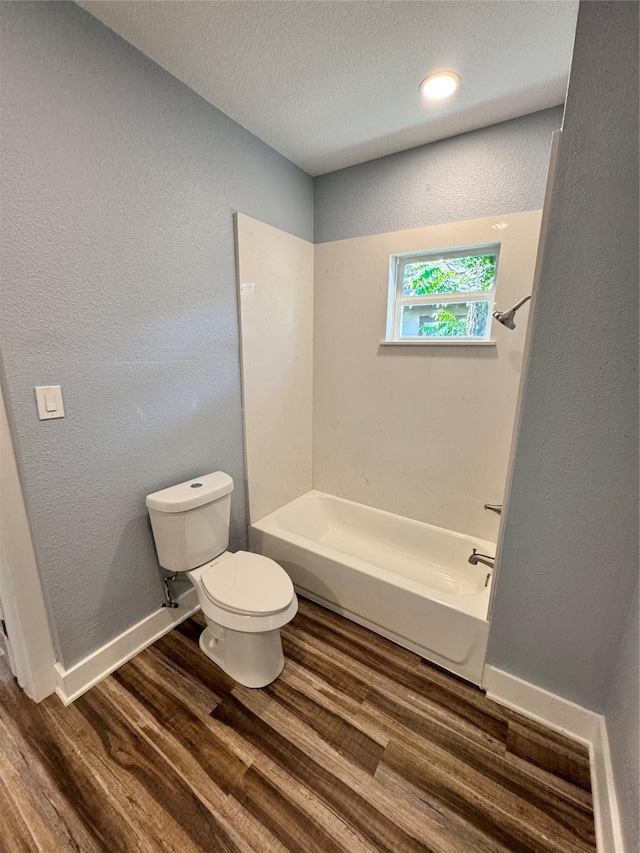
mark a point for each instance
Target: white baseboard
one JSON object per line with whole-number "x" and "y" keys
{"x": 538, "y": 704}
{"x": 605, "y": 800}
{"x": 76, "y": 680}
{"x": 577, "y": 723}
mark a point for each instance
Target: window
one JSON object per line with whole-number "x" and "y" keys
{"x": 442, "y": 296}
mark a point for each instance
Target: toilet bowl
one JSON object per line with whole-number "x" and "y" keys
{"x": 246, "y": 598}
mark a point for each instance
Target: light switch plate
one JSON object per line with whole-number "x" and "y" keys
{"x": 49, "y": 400}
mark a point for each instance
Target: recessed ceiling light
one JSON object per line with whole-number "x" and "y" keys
{"x": 439, "y": 86}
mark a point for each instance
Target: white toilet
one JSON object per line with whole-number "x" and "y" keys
{"x": 245, "y": 598}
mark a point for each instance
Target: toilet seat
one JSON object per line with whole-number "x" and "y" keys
{"x": 248, "y": 585}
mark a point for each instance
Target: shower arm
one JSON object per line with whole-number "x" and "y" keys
{"x": 522, "y": 302}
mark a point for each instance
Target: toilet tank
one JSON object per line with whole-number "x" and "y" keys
{"x": 190, "y": 521}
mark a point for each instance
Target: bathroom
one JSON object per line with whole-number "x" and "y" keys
{"x": 120, "y": 285}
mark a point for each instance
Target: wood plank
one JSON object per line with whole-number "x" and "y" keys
{"x": 374, "y": 670}
{"x": 358, "y": 634}
{"x": 182, "y": 732}
{"x": 570, "y": 807}
{"x": 162, "y": 668}
{"x": 492, "y": 808}
{"x": 22, "y": 829}
{"x": 185, "y": 652}
{"x": 529, "y": 780}
{"x": 156, "y": 775}
{"x": 551, "y": 752}
{"x": 66, "y": 763}
{"x": 349, "y": 804}
{"x": 354, "y": 744}
{"x": 293, "y": 826}
{"x": 470, "y": 834}
{"x": 32, "y": 804}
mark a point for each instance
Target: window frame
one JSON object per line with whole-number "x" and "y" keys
{"x": 397, "y": 300}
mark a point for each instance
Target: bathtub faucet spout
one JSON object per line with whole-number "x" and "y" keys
{"x": 497, "y": 508}
{"x": 476, "y": 558}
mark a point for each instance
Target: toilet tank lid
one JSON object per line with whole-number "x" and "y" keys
{"x": 191, "y": 494}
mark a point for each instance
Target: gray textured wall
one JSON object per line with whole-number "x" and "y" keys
{"x": 499, "y": 169}
{"x": 118, "y": 187}
{"x": 569, "y": 559}
{"x": 623, "y": 727}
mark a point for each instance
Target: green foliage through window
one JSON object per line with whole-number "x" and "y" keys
{"x": 450, "y": 275}
{"x": 467, "y": 320}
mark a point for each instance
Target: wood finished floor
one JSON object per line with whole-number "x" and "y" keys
{"x": 358, "y": 746}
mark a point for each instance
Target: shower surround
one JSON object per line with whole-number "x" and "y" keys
{"x": 368, "y": 465}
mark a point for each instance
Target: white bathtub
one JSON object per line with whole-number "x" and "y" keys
{"x": 408, "y": 581}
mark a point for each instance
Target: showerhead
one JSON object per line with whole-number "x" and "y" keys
{"x": 507, "y": 318}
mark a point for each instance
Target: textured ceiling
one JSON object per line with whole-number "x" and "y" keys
{"x": 330, "y": 84}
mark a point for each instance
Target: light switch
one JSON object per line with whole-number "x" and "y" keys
{"x": 49, "y": 400}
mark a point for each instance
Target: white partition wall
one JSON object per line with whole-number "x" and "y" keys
{"x": 275, "y": 297}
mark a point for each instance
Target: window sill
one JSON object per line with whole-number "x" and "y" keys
{"x": 442, "y": 342}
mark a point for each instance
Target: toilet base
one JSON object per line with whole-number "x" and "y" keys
{"x": 253, "y": 660}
